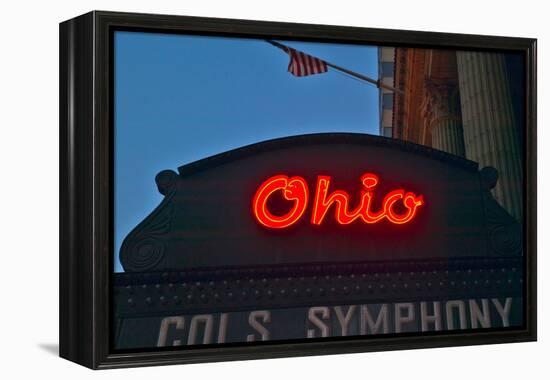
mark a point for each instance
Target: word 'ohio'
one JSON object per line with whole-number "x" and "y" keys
{"x": 295, "y": 189}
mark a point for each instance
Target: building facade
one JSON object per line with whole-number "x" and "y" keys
{"x": 386, "y": 59}
{"x": 465, "y": 103}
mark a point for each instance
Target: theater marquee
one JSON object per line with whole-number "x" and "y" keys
{"x": 361, "y": 235}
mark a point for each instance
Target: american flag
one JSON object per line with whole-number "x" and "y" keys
{"x": 302, "y": 64}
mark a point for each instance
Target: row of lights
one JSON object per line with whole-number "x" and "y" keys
{"x": 227, "y": 284}
{"x": 257, "y": 294}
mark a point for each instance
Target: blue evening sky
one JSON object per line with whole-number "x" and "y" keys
{"x": 182, "y": 98}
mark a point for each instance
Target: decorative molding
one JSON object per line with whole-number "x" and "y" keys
{"x": 442, "y": 101}
{"x": 326, "y": 138}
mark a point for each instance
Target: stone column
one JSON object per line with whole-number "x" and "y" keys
{"x": 442, "y": 115}
{"x": 491, "y": 136}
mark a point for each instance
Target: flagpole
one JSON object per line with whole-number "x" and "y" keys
{"x": 365, "y": 78}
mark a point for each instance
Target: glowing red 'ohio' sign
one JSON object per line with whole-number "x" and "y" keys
{"x": 295, "y": 189}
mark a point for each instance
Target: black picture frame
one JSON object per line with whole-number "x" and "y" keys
{"x": 86, "y": 187}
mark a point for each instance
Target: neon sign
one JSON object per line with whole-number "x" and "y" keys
{"x": 295, "y": 189}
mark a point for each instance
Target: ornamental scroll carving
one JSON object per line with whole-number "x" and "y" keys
{"x": 144, "y": 247}
{"x": 504, "y": 231}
